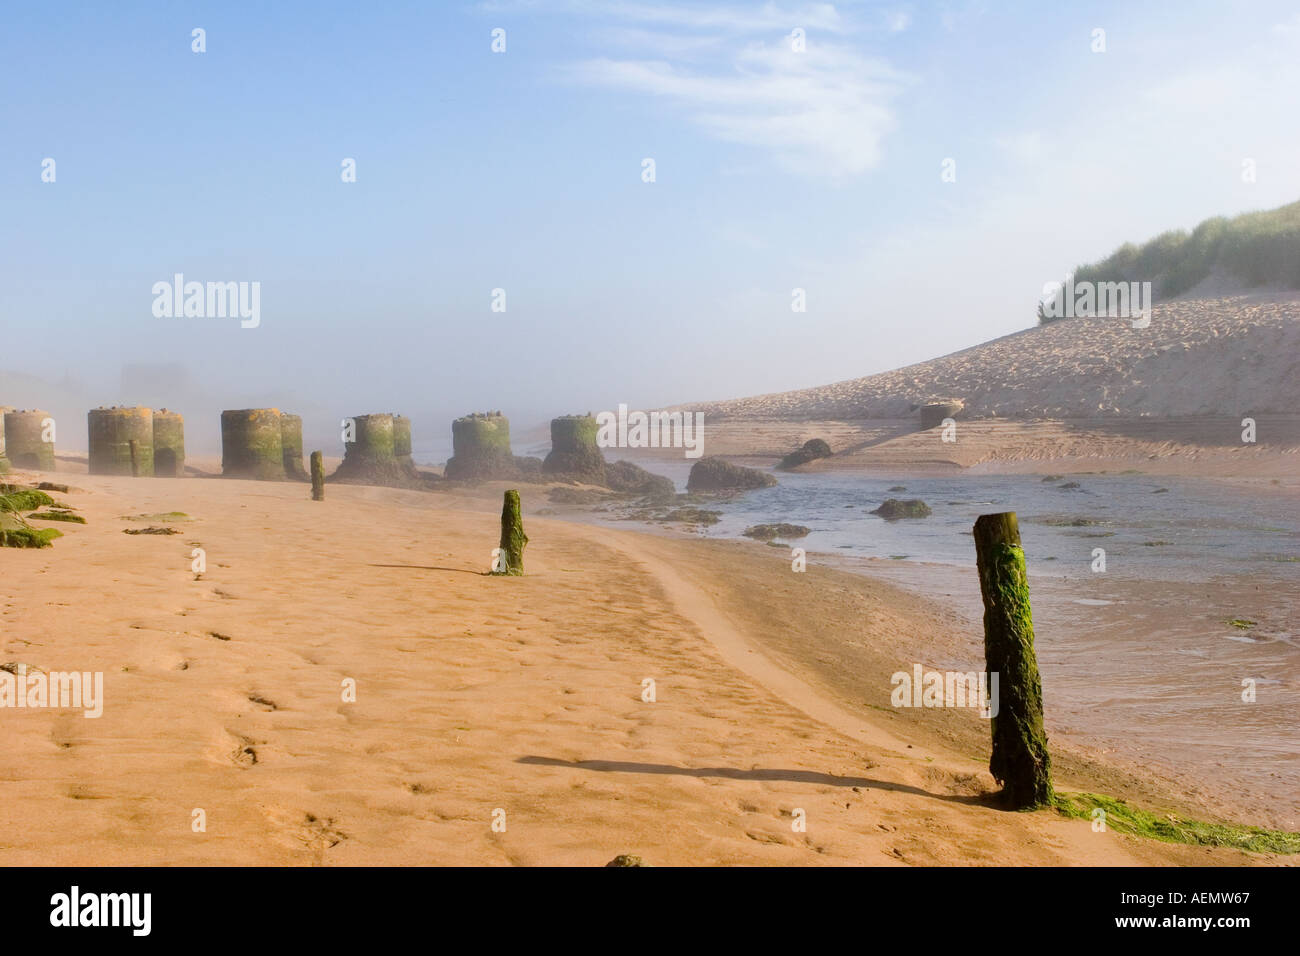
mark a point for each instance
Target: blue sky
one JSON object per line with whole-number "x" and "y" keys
{"x": 521, "y": 170}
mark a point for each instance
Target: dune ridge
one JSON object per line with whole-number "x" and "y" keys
{"x": 1231, "y": 356}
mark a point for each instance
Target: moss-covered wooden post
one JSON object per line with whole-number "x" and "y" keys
{"x": 1020, "y": 761}
{"x": 317, "y": 476}
{"x": 513, "y": 538}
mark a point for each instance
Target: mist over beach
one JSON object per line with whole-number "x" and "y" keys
{"x": 650, "y": 434}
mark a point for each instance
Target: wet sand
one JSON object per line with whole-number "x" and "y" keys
{"x": 477, "y": 694}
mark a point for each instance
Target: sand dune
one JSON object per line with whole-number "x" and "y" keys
{"x": 1228, "y": 356}
{"x": 473, "y": 694}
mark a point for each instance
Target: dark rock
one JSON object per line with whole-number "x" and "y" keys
{"x": 577, "y": 496}
{"x": 812, "y": 449}
{"x": 630, "y": 479}
{"x": 894, "y": 508}
{"x": 934, "y": 413}
{"x": 769, "y": 532}
{"x": 692, "y": 515}
{"x": 714, "y": 474}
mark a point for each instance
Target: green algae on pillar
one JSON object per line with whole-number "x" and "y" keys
{"x": 112, "y": 432}
{"x": 513, "y": 538}
{"x": 168, "y": 444}
{"x": 1020, "y": 761}
{"x": 373, "y": 442}
{"x": 291, "y": 446}
{"x": 251, "y": 444}
{"x": 317, "y": 476}
{"x": 481, "y": 447}
{"x": 26, "y": 432}
{"x": 402, "y": 439}
{"x": 574, "y": 450}
{"x": 4, "y": 462}
{"x": 379, "y": 453}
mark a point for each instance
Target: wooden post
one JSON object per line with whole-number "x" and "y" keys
{"x": 513, "y": 538}
{"x": 1020, "y": 761}
{"x": 317, "y": 476}
{"x": 135, "y": 458}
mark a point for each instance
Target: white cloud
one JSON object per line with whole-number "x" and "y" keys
{"x": 822, "y": 111}
{"x": 898, "y": 21}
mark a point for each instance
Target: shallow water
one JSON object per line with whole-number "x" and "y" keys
{"x": 1139, "y": 659}
{"x": 1190, "y": 529}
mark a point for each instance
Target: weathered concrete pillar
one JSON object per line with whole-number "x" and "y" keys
{"x": 380, "y": 453}
{"x": 513, "y": 538}
{"x": 402, "y": 439}
{"x": 251, "y": 445}
{"x": 481, "y": 447}
{"x": 111, "y": 432}
{"x": 4, "y": 461}
{"x": 373, "y": 443}
{"x": 574, "y": 451}
{"x": 1020, "y": 761}
{"x": 168, "y": 444}
{"x": 317, "y": 476}
{"x": 291, "y": 446}
{"x": 25, "y": 446}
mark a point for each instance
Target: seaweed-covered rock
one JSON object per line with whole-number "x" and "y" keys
{"x": 629, "y": 479}
{"x": 715, "y": 474}
{"x": 25, "y": 500}
{"x": 770, "y": 532}
{"x": 574, "y": 451}
{"x": 894, "y": 508}
{"x": 16, "y": 533}
{"x": 57, "y": 515}
{"x": 626, "y": 859}
{"x": 812, "y": 449}
{"x": 577, "y": 496}
{"x": 689, "y": 514}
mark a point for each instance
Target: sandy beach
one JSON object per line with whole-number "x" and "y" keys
{"x": 478, "y": 694}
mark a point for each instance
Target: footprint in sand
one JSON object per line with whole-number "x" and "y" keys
{"x": 234, "y": 748}
{"x": 300, "y": 828}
